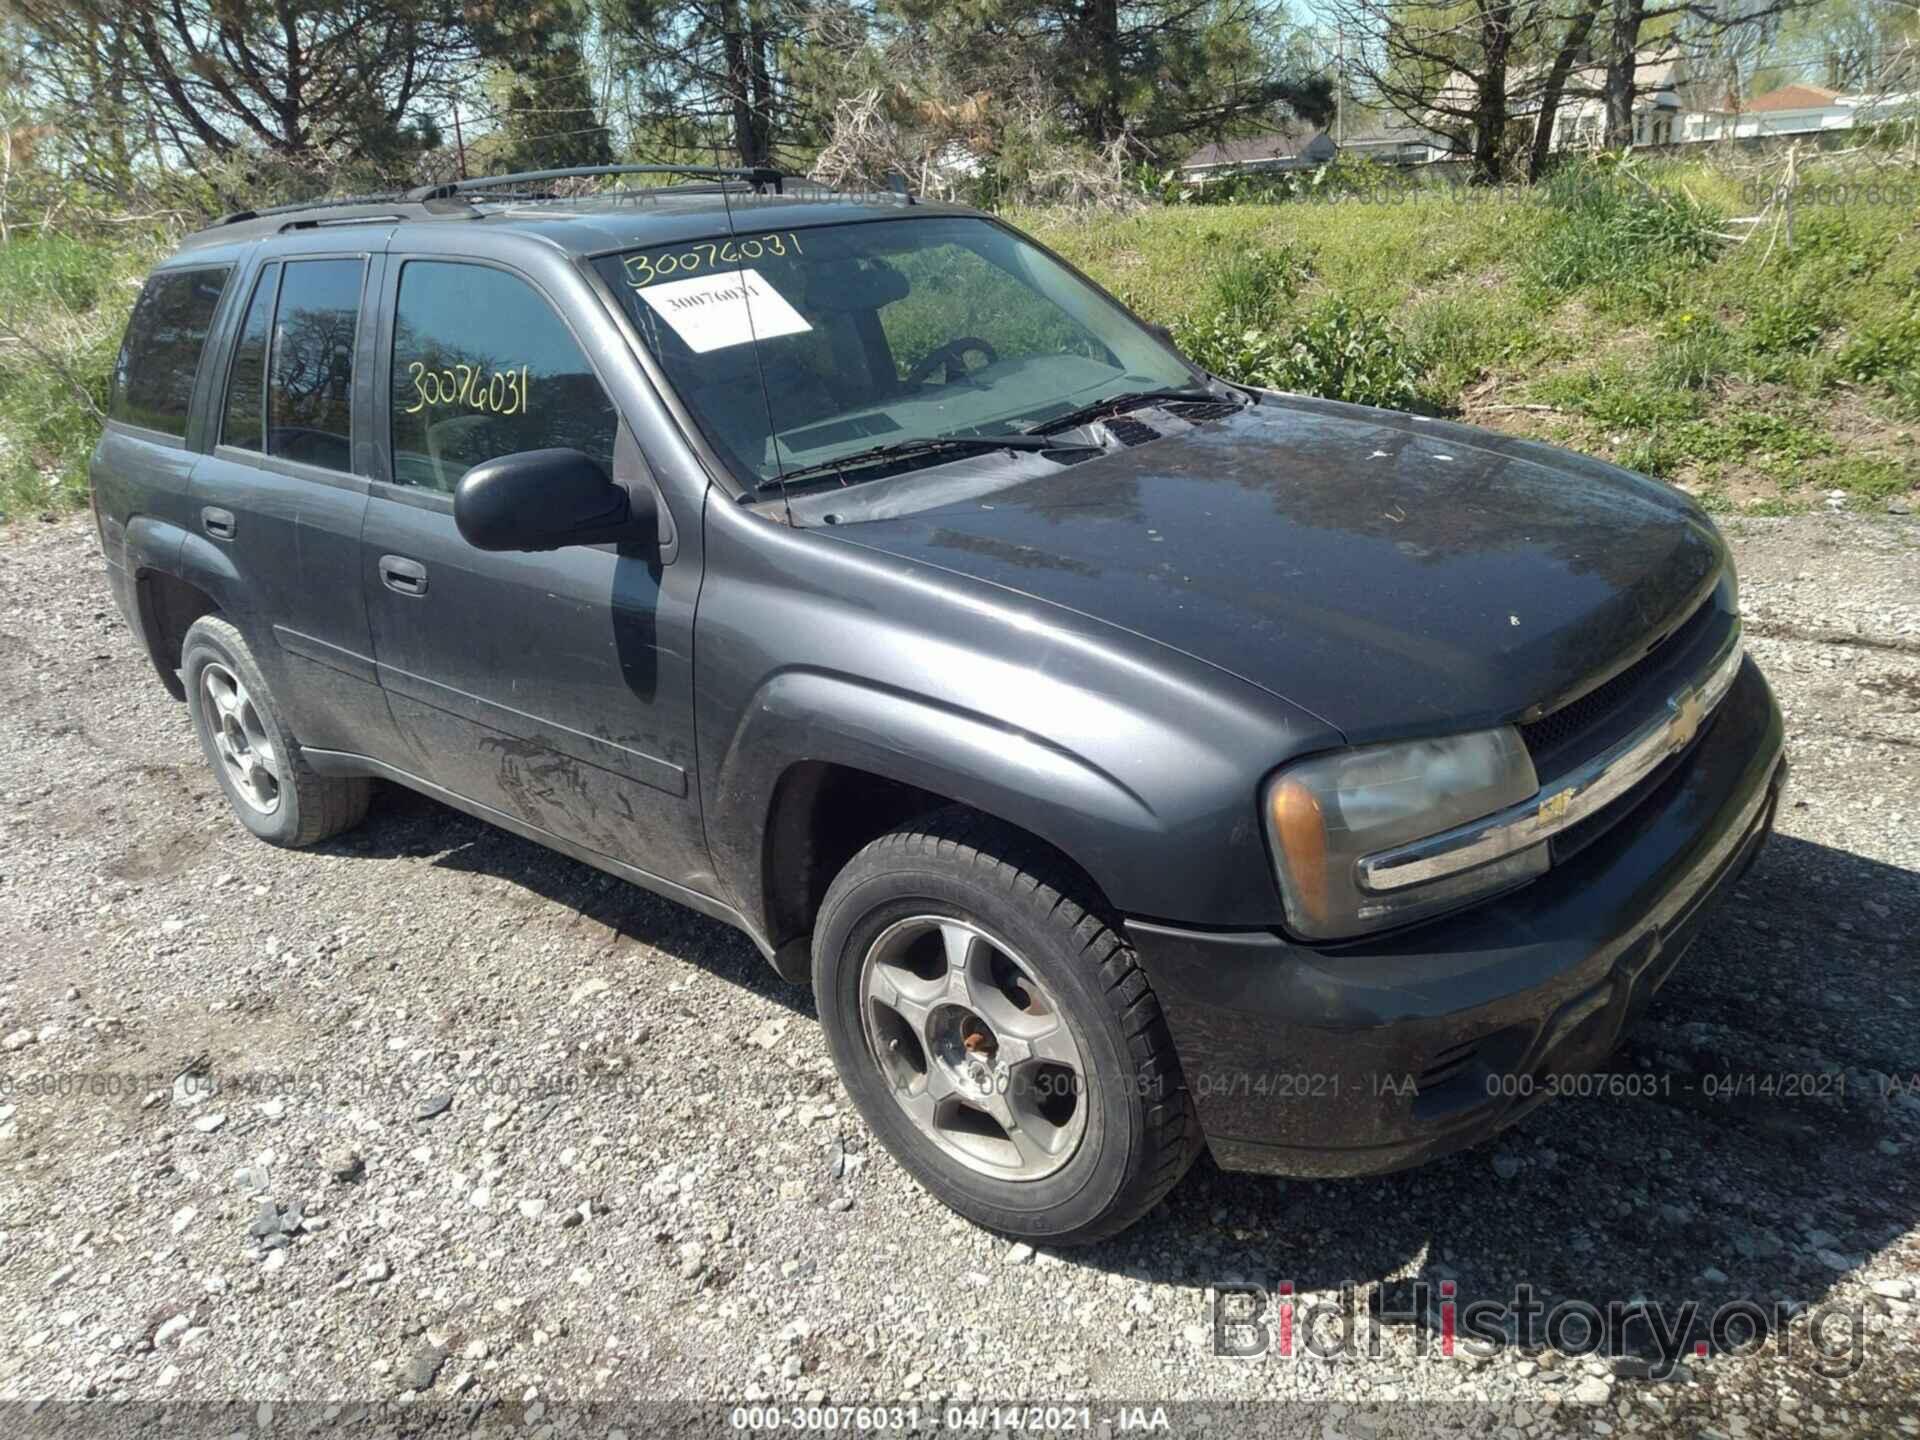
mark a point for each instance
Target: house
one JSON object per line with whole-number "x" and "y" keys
{"x": 1795, "y": 109}
{"x": 1290, "y": 148}
{"x": 1382, "y": 141}
{"x": 1386, "y": 142}
{"x": 1580, "y": 121}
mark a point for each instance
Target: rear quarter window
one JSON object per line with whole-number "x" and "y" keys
{"x": 153, "y": 378}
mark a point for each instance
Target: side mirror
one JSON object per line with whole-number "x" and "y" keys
{"x": 544, "y": 499}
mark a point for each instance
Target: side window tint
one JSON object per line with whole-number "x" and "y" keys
{"x": 310, "y": 384}
{"x": 153, "y": 378}
{"x": 244, "y": 422}
{"x": 483, "y": 367}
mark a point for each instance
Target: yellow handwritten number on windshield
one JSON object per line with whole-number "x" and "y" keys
{"x": 643, "y": 270}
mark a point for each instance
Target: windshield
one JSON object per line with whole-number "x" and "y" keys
{"x": 796, "y": 348}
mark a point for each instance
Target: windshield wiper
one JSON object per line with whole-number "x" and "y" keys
{"x": 926, "y": 445}
{"x": 1125, "y": 400}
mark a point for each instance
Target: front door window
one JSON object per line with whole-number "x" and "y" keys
{"x": 483, "y": 367}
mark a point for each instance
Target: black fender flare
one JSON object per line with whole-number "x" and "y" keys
{"x": 798, "y": 716}
{"x": 158, "y": 548}
{"x": 152, "y": 547}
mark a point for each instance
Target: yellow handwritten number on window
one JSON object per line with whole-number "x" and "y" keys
{"x": 492, "y": 392}
{"x": 643, "y": 270}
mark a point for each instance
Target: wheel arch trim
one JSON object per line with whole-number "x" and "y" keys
{"x": 955, "y": 756}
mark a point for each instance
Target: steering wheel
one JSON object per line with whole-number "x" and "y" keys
{"x": 950, "y": 356}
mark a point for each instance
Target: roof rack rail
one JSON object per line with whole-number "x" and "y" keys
{"x": 761, "y": 177}
{"x": 379, "y": 204}
{"x": 455, "y": 198}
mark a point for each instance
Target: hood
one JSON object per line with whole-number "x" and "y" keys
{"x": 1392, "y": 575}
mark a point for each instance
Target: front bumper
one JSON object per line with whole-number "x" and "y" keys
{"x": 1388, "y": 1051}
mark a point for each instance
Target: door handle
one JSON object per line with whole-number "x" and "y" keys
{"x": 217, "y": 522}
{"x": 409, "y": 577}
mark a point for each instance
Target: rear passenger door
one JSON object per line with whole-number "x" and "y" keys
{"x": 283, "y": 494}
{"x": 554, "y": 688}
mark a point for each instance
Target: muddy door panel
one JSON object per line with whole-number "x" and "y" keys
{"x": 294, "y": 542}
{"x": 555, "y": 687}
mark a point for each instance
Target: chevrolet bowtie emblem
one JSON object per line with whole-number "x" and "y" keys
{"x": 1687, "y": 715}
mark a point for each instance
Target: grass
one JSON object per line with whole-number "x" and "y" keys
{"x": 1607, "y": 310}
{"x": 1611, "y": 311}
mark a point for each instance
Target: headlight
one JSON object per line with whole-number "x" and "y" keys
{"x": 1325, "y": 813}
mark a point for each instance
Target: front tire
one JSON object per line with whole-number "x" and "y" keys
{"x": 992, "y": 1025}
{"x": 272, "y": 789}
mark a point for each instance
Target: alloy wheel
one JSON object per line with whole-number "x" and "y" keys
{"x": 974, "y": 1048}
{"x": 239, "y": 739}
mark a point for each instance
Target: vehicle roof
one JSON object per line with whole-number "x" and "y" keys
{"x": 588, "y": 225}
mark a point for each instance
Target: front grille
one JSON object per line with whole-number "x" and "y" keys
{"x": 1561, "y": 731}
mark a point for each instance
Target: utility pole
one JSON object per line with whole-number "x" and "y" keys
{"x": 459, "y": 142}
{"x": 1339, "y": 87}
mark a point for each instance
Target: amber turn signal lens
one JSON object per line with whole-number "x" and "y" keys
{"x": 1301, "y": 832}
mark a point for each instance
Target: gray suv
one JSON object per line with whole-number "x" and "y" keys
{"x": 1132, "y": 762}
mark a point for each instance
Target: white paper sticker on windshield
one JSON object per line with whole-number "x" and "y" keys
{"x": 710, "y": 312}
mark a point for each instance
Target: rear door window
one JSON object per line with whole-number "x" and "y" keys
{"x": 484, "y": 367}
{"x": 153, "y": 378}
{"x": 243, "y": 423}
{"x": 310, "y": 371}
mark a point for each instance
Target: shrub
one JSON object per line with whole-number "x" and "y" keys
{"x": 1887, "y": 349}
{"x": 1609, "y": 231}
{"x": 46, "y": 428}
{"x": 1460, "y": 338}
{"x": 1787, "y": 325}
{"x": 51, "y": 269}
{"x": 1693, "y": 351}
{"x": 1339, "y": 352}
{"x": 1345, "y": 178}
{"x": 63, "y": 305}
{"x": 1258, "y": 284}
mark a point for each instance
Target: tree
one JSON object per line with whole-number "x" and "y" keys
{"x": 1694, "y": 29}
{"x": 1853, "y": 45}
{"x": 88, "y": 112}
{"x": 1573, "y": 44}
{"x": 1156, "y": 71}
{"x": 545, "y": 114}
{"x": 321, "y": 83}
{"x": 1452, "y": 67}
{"x": 714, "y": 73}
{"x": 1467, "y": 68}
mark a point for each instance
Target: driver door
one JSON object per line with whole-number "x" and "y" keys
{"x": 554, "y": 688}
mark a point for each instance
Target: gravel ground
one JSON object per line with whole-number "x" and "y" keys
{"x": 431, "y": 1122}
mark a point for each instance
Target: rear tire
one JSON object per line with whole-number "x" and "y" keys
{"x": 272, "y": 789}
{"x": 988, "y": 1017}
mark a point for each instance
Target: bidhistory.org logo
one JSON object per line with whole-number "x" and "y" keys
{"x": 1252, "y": 1322}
